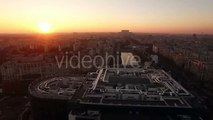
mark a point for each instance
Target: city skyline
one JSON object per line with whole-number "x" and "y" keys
{"x": 157, "y": 16}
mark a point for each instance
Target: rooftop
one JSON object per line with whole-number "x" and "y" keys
{"x": 117, "y": 87}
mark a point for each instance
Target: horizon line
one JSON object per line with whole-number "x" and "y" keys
{"x": 187, "y": 33}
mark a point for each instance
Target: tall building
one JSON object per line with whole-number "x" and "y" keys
{"x": 125, "y": 93}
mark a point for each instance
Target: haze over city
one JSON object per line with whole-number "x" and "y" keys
{"x": 152, "y": 16}
{"x": 106, "y": 60}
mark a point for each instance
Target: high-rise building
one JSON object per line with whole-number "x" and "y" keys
{"x": 127, "y": 93}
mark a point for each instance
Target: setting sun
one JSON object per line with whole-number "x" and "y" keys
{"x": 44, "y": 27}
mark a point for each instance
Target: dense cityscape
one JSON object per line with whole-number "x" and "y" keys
{"x": 172, "y": 75}
{"x": 106, "y": 60}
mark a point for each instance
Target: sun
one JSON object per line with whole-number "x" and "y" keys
{"x": 44, "y": 27}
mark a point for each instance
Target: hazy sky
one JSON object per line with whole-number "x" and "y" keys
{"x": 107, "y": 15}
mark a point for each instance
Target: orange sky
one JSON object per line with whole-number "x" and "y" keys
{"x": 172, "y": 16}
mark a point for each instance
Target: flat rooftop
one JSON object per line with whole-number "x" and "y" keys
{"x": 117, "y": 87}
{"x": 136, "y": 87}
